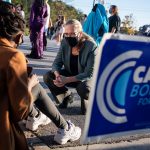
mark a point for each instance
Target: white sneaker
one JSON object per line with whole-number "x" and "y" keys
{"x": 32, "y": 123}
{"x": 72, "y": 134}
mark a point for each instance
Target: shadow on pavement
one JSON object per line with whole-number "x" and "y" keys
{"x": 37, "y": 141}
{"x": 40, "y": 72}
{"x": 71, "y": 111}
{"x": 47, "y": 59}
{"x": 132, "y": 147}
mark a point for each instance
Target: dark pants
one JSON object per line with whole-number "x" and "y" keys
{"x": 45, "y": 105}
{"x": 44, "y": 41}
{"x": 82, "y": 88}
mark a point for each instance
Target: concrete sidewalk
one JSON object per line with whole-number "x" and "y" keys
{"x": 43, "y": 138}
{"x": 142, "y": 144}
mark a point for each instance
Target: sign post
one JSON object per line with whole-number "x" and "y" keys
{"x": 119, "y": 101}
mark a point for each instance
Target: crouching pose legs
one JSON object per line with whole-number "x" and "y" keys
{"x": 67, "y": 131}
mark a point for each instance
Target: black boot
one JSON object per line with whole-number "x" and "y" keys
{"x": 68, "y": 99}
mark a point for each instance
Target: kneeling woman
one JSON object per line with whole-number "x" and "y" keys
{"x": 73, "y": 66}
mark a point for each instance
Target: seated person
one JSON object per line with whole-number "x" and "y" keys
{"x": 18, "y": 92}
{"x": 73, "y": 66}
{"x": 67, "y": 130}
{"x": 15, "y": 91}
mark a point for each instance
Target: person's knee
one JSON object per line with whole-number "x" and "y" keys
{"x": 83, "y": 90}
{"x": 35, "y": 91}
{"x": 36, "y": 87}
{"x": 47, "y": 76}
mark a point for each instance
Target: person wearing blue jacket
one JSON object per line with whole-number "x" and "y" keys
{"x": 97, "y": 23}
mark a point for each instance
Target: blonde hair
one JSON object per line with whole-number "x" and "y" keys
{"x": 77, "y": 25}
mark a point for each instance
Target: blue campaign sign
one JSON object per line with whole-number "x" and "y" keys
{"x": 120, "y": 95}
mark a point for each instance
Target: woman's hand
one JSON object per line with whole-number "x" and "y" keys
{"x": 33, "y": 80}
{"x": 60, "y": 81}
{"x": 57, "y": 75}
{"x": 58, "y": 84}
{"x": 64, "y": 79}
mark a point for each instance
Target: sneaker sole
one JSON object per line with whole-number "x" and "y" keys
{"x": 62, "y": 142}
{"x": 59, "y": 141}
{"x": 76, "y": 138}
{"x": 31, "y": 128}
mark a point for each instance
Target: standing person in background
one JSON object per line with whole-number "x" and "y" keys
{"x": 50, "y": 28}
{"x": 46, "y": 25}
{"x": 61, "y": 28}
{"x": 38, "y": 17}
{"x": 19, "y": 9}
{"x": 114, "y": 20}
{"x": 97, "y": 24}
{"x": 83, "y": 19}
{"x": 22, "y": 11}
{"x": 58, "y": 36}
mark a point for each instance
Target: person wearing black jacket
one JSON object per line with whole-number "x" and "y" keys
{"x": 114, "y": 20}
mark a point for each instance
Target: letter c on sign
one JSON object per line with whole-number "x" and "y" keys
{"x": 136, "y": 76}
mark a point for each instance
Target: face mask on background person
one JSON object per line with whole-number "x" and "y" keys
{"x": 110, "y": 10}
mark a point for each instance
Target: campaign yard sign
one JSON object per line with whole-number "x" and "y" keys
{"x": 119, "y": 101}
